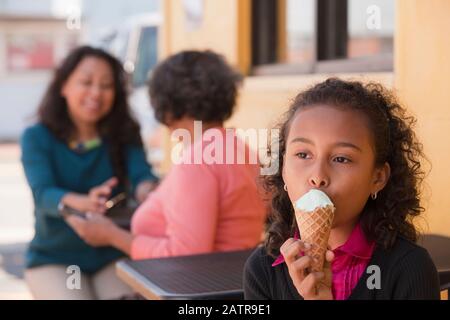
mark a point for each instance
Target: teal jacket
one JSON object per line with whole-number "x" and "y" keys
{"x": 53, "y": 169}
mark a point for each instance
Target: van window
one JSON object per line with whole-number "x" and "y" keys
{"x": 147, "y": 55}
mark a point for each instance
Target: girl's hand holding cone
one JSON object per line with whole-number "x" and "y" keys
{"x": 310, "y": 285}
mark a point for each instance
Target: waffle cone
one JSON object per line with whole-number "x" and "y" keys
{"x": 315, "y": 229}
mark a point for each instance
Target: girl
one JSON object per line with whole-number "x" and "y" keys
{"x": 355, "y": 143}
{"x": 85, "y": 148}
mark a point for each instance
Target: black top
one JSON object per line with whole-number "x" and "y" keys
{"x": 407, "y": 272}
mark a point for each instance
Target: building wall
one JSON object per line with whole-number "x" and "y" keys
{"x": 422, "y": 67}
{"x": 263, "y": 99}
{"x": 52, "y": 29}
{"x": 422, "y": 49}
{"x": 21, "y": 90}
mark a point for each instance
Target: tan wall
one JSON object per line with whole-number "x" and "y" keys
{"x": 264, "y": 99}
{"x": 422, "y": 68}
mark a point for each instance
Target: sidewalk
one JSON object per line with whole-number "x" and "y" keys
{"x": 16, "y": 223}
{"x": 12, "y": 288}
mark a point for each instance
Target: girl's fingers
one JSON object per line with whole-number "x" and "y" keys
{"x": 308, "y": 287}
{"x": 285, "y": 245}
{"x": 329, "y": 256}
{"x": 301, "y": 263}
{"x": 292, "y": 248}
{"x": 298, "y": 267}
{"x": 324, "y": 292}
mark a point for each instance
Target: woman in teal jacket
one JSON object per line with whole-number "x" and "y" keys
{"x": 84, "y": 149}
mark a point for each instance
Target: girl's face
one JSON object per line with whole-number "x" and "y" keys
{"x": 332, "y": 149}
{"x": 89, "y": 91}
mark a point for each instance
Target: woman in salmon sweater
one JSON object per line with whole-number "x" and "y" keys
{"x": 210, "y": 200}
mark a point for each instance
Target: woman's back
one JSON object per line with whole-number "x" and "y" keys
{"x": 204, "y": 205}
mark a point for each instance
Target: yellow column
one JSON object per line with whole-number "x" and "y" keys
{"x": 422, "y": 69}
{"x": 282, "y": 35}
{"x": 225, "y": 28}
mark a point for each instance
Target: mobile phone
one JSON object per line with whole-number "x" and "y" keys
{"x": 68, "y": 211}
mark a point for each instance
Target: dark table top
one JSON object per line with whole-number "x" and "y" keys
{"x": 207, "y": 276}
{"x": 439, "y": 249}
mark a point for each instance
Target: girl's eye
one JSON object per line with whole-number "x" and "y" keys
{"x": 302, "y": 155}
{"x": 341, "y": 160}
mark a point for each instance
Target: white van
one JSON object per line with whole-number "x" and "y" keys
{"x": 135, "y": 43}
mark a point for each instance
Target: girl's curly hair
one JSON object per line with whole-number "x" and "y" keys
{"x": 391, "y": 214}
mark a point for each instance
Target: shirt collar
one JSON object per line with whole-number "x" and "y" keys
{"x": 356, "y": 245}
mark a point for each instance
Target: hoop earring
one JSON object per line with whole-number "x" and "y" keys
{"x": 374, "y": 196}
{"x": 285, "y": 188}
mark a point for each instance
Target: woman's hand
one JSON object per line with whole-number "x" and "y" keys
{"x": 100, "y": 194}
{"x": 308, "y": 285}
{"x": 143, "y": 189}
{"x": 96, "y": 230}
{"x": 99, "y": 231}
{"x": 95, "y": 201}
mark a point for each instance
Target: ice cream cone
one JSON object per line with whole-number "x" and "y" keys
{"x": 315, "y": 213}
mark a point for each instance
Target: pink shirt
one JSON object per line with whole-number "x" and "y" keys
{"x": 350, "y": 261}
{"x": 201, "y": 208}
